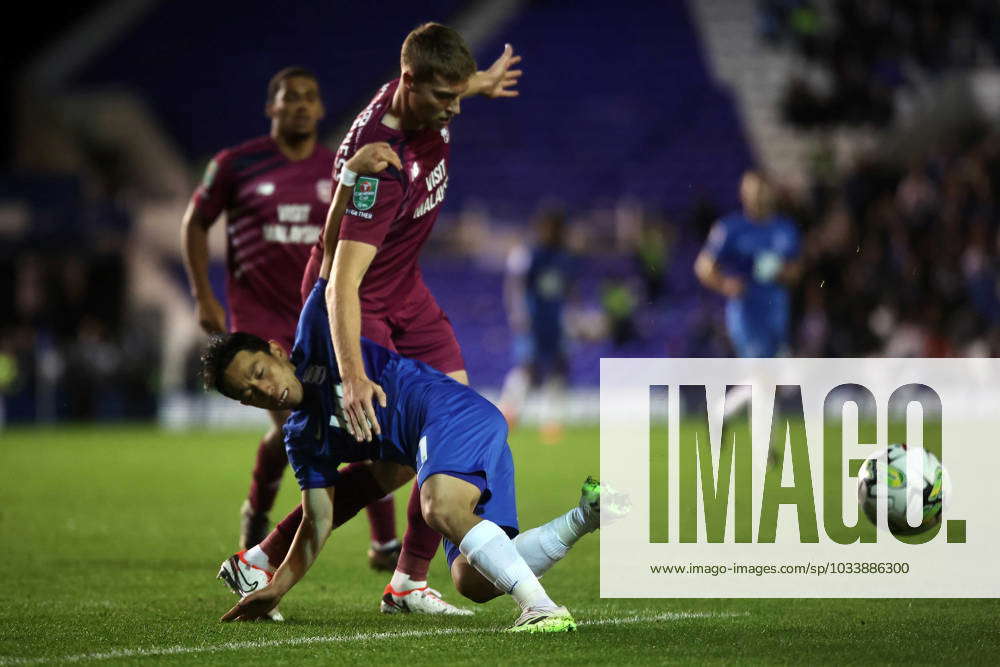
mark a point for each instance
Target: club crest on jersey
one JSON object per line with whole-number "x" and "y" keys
{"x": 365, "y": 191}
{"x": 414, "y": 171}
{"x": 445, "y": 134}
{"x": 324, "y": 190}
{"x": 265, "y": 189}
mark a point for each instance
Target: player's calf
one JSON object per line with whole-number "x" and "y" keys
{"x": 470, "y": 583}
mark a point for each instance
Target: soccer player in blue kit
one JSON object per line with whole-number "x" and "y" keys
{"x": 538, "y": 283}
{"x": 751, "y": 258}
{"x": 452, "y": 438}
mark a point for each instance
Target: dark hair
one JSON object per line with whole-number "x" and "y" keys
{"x": 432, "y": 49}
{"x": 219, "y": 354}
{"x": 289, "y": 72}
{"x": 551, "y": 225}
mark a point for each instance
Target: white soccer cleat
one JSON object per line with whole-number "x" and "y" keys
{"x": 544, "y": 620}
{"x": 244, "y": 578}
{"x": 418, "y": 601}
{"x": 597, "y": 499}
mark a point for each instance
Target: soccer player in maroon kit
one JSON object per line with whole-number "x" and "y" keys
{"x": 376, "y": 289}
{"x": 275, "y": 190}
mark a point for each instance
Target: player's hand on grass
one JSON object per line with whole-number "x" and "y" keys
{"x": 211, "y": 315}
{"x": 499, "y": 80}
{"x": 373, "y": 158}
{"x": 253, "y": 607}
{"x": 359, "y": 410}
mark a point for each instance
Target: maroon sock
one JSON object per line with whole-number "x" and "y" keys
{"x": 355, "y": 489}
{"x": 420, "y": 542}
{"x": 382, "y": 520}
{"x": 279, "y": 540}
{"x": 266, "y": 479}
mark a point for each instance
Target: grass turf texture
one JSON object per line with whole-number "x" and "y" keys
{"x": 110, "y": 539}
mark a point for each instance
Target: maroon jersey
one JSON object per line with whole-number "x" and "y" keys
{"x": 396, "y": 210}
{"x": 275, "y": 211}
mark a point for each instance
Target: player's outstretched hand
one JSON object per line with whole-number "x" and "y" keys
{"x": 499, "y": 80}
{"x": 373, "y": 158}
{"x": 211, "y": 315}
{"x": 253, "y": 607}
{"x": 359, "y": 392}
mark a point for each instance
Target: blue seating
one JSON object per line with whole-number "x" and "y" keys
{"x": 615, "y": 101}
{"x": 203, "y": 67}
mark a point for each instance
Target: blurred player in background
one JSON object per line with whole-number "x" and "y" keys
{"x": 376, "y": 289}
{"x": 538, "y": 282}
{"x": 752, "y": 258}
{"x": 275, "y": 191}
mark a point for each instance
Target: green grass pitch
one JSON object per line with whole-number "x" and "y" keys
{"x": 110, "y": 539}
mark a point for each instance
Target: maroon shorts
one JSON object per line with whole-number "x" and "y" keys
{"x": 416, "y": 328}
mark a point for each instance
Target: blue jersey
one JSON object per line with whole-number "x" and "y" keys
{"x": 754, "y": 252}
{"x": 316, "y": 434}
{"x": 546, "y": 283}
{"x": 431, "y": 422}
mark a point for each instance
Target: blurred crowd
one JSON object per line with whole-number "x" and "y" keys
{"x": 903, "y": 259}
{"x": 867, "y": 49}
{"x": 68, "y": 347}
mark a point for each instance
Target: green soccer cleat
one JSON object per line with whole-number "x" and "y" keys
{"x": 614, "y": 505}
{"x": 544, "y": 620}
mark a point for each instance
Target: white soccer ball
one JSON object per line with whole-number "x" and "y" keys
{"x": 927, "y": 495}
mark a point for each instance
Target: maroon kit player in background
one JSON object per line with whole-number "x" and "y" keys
{"x": 376, "y": 289}
{"x": 275, "y": 191}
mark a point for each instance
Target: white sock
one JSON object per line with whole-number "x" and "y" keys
{"x": 256, "y": 557}
{"x": 515, "y": 389}
{"x": 401, "y": 582}
{"x": 546, "y": 545}
{"x": 491, "y": 552}
{"x": 552, "y": 410}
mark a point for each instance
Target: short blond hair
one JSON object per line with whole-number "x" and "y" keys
{"x": 434, "y": 49}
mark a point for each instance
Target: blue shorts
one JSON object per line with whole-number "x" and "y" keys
{"x": 765, "y": 335}
{"x": 465, "y": 436}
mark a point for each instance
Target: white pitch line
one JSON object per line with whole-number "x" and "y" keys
{"x": 336, "y": 639}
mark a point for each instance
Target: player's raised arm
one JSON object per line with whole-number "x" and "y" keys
{"x": 499, "y": 80}
{"x": 317, "y": 522}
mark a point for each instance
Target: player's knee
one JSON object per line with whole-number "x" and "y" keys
{"x": 390, "y": 475}
{"x": 437, "y": 512}
{"x": 445, "y": 515}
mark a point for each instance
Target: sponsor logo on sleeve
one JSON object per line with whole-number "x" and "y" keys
{"x": 365, "y": 192}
